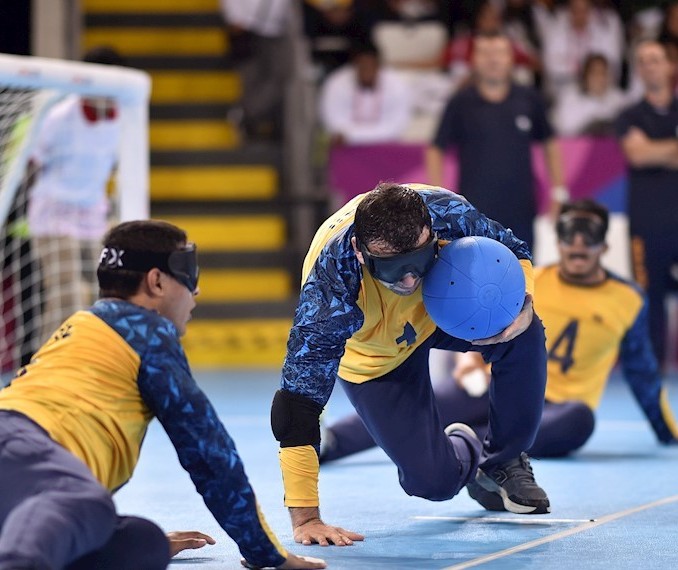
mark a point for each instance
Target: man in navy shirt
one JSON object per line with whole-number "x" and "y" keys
{"x": 493, "y": 123}
{"x": 648, "y": 133}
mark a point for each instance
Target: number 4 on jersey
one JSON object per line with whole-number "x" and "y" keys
{"x": 563, "y": 347}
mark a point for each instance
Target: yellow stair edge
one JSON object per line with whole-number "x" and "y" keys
{"x": 185, "y": 86}
{"x": 148, "y": 6}
{"x": 159, "y": 41}
{"x": 192, "y": 135}
{"x": 260, "y": 232}
{"x": 213, "y": 182}
{"x": 251, "y": 342}
{"x": 244, "y": 285}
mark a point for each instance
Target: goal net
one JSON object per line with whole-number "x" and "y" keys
{"x": 62, "y": 124}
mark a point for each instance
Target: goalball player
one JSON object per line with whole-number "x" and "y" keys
{"x": 361, "y": 317}
{"x": 73, "y": 420}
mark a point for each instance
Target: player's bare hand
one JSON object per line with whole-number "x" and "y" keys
{"x": 317, "y": 532}
{"x": 187, "y": 540}
{"x": 293, "y": 562}
{"x": 517, "y": 327}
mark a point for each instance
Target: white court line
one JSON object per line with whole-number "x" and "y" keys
{"x": 533, "y": 521}
{"x": 557, "y": 536}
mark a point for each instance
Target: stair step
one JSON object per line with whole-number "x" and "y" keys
{"x": 188, "y": 87}
{"x": 213, "y": 183}
{"x": 235, "y": 233}
{"x": 193, "y": 135}
{"x": 249, "y": 153}
{"x": 155, "y": 6}
{"x": 190, "y": 111}
{"x": 159, "y": 41}
{"x": 146, "y": 19}
{"x": 244, "y": 285}
{"x": 237, "y": 342}
{"x": 150, "y": 62}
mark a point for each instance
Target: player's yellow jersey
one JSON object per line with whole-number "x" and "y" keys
{"x": 585, "y": 327}
{"x": 81, "y": 387}
{"x": 393, "y": 326}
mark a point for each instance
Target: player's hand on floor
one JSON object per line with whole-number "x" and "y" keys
{"x": 316, "y": 531}
{"x": 293, "y": 562}
{"x": 519, "y": 325}
{"x": 187, "y": 540}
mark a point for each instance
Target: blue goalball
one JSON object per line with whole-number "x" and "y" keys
{"x": 475, "y": 289}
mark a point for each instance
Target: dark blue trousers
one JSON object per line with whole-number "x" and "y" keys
{"x": 400, "y": 413}
{"x": 54, "y": 514}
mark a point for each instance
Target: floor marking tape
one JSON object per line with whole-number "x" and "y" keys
{"x": 507, "y": 520}
{"x": 565, "y": 533}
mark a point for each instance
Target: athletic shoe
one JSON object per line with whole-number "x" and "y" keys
{"x": 458, "y": 426}
{"x": 510, "y": 487}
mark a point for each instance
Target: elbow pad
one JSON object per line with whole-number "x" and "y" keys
{"x": 295, "y": 419}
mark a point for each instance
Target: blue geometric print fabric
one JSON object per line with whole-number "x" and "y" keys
{"x": 203, "y": 446}
{"x": 641, "y": 369}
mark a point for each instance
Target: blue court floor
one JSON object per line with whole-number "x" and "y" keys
{"x": 614, "y": 505}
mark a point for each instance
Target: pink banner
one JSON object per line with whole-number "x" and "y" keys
{"x": 594, "y": 167}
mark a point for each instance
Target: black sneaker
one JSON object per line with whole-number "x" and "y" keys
{"x": 510, "y": 487}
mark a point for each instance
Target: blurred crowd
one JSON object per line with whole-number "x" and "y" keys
{"x": 388, "y": 67}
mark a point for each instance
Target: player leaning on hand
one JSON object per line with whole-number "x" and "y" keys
{"x": 72, "y": 423}
{"x": 361, "y": 317}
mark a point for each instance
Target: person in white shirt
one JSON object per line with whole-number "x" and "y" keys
{"x": 574, "y": 32}
{"x": 592, "y": 106}
{"x": 75, "y": 154}
{"x": 365, "y": 102}
{"x": 260, "y": 49}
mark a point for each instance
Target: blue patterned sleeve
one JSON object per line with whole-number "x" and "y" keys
{"x": 641, "y": 371}
{"x": 326, "y": 317}
{"x": 204, "y": 447}
{"x": 454, "y": 217}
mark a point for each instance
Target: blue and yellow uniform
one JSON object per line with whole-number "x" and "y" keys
{"x": 98, "y": 382}
{"x": 590, "y": 328}
{"x": 349, "y": 325}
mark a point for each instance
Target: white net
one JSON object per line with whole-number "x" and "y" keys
{"x": 73, "y": 160}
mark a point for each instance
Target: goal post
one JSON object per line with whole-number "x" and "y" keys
{"x": 29, "y": 88}
{"x": 51, "y": 79}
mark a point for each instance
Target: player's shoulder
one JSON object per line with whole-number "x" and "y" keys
{"x": 545, "y": 271}
{"x": 623, "y": 284}
{"x": 138, "y": 326}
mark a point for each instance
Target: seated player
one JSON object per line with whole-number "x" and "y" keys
{"x": 592, "y": 317}
{"x": 73, "y": 420}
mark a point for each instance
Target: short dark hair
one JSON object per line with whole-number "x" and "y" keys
{"x": 105, "y": 55}
{"x": 154, "y": 236}
{"x": 363, "y": 47}
{"x": 590, "y": 207}
{"x": 392, "y": 214}
{"x": 589, "y": 61}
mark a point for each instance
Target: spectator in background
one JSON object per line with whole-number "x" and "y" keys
{"x": 411, "y": 34}
{"x": 668, "y": 32}
{"x": 574, "y": 32}
{"x": 648, "y": 132}
{"x": 364, "y": 102}
{"x": 487, "y": 19}
{"x": 521, "y": 24}
{"x": 493, "y": 123}
{"x": 75, "y": 153}
{"x": 591, "y": 107}
{"x": 260, "y": 49}
{"x": 331, "y": 27}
